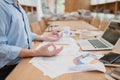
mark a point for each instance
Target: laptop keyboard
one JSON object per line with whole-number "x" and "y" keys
{"x": 97, "y": 44}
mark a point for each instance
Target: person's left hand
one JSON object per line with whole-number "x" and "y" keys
{"x": 53, "y": 36}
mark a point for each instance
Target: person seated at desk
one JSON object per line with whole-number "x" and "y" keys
{"x": 16, "y": 37}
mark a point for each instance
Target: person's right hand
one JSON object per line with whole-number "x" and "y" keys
{"x": 45, "y": 52}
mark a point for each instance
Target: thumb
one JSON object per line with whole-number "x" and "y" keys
{"x": 47, "y": 45}
{"x": 51, "y": 45}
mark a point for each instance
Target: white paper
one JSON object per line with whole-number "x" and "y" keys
{"x": 64, "y": 62}
{"x": 54, "y": 66}
{"x": 70, "y": 46}
{"x": 87, "y": 61}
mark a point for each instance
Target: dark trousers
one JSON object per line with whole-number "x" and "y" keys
{"x": 4, "y": 72}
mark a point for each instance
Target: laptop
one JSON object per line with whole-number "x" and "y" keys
{"x": 107, "y": 41}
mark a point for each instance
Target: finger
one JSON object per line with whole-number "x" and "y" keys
{"x": 55, "y": 52}
{"x": 60, "y": 35}
{"x": 53, "y": 45}
{"x": 48, "y": 45}
{"x": 53, "y": 38}
{"x": 51, "y": 48}
{"x": 59, "y": 50}
{"x": 57, "y": 34}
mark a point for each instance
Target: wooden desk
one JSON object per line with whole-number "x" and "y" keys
{"x": 74, "y": 25}
{"x": 26, "y": 71}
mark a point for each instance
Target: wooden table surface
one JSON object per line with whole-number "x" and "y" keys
{"x": 26, "y": 71}
{"x": 74, "y": 25}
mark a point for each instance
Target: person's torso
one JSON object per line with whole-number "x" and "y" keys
{"x": 16, "y": 27}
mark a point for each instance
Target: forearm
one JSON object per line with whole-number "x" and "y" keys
{"x": 8, "y": 53}
{"x": 42, "y": 51}
{"x": 31, "y": 53}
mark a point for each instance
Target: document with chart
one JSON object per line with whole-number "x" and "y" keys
{"x": 68, "y": 61}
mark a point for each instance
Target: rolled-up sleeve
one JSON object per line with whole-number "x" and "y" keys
{"x": 8, "y": 53}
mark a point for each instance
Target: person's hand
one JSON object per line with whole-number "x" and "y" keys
{"x": 55, "y": 32}
{"x": 45, "y": 52}
{"x": 53, "y": 36}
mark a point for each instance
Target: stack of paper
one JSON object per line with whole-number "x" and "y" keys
{"x": 54, "y": 66}
{"x": 67, "y": 61}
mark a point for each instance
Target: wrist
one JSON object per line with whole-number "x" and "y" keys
{"x": 26, "y": 53}
{"x": 35, "y": 53}
{"x": 41, "y": 37}
{"x": 32, "y": 53}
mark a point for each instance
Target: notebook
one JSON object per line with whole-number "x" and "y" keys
{"x": 113, "y": 75}
{"x": 111, "y": 59}
{"x": 107, "y": 41}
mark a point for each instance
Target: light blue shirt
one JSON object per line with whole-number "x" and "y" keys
{"x": 14, "y": 32}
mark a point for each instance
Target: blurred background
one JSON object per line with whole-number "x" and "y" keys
{"x": 71, "y": 9}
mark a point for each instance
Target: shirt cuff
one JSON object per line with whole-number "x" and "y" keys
{"x": 14, "y": 52}
{"x": 33, "y": 36}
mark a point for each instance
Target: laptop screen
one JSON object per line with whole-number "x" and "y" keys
{"x": 112, "y": 33}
